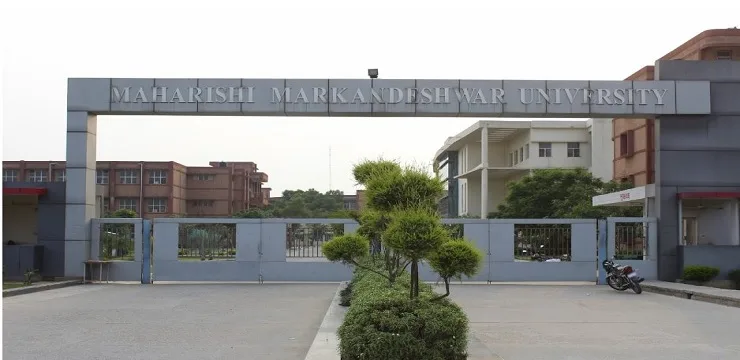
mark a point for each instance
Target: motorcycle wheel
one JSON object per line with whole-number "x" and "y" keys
{"x": 636, "y": 288}
{"x": 611, "y": 283}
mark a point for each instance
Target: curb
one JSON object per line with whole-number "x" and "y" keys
{"x": 40, "y": 287}
{"x": 325, "y": 345}
{"x": 693, "y": 295}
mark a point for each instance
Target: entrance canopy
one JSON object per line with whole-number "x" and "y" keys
{"x": 630, "y": 197}
{"x": 388, "y": 97}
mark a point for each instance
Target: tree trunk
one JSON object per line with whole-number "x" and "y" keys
{"x": 414, "y": 279}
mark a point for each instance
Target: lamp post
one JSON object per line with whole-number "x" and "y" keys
{"x": 372, "y": 73}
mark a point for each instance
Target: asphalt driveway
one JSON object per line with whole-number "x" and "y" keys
{"x": 228, "y": 321}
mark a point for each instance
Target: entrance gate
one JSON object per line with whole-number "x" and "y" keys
{"x": 89, "y": 97}
{"x": 515, "y": 250}
{"x": 634, "y": 242}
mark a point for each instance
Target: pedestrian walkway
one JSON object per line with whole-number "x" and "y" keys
{"x": 693, "y": 292}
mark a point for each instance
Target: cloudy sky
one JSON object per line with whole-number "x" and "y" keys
{"x": 47, "y": 42}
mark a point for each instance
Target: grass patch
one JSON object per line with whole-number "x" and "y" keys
{"x": 12, "y": 285}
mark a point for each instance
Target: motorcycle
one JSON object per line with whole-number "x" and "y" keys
{"x": 622, "y": 277}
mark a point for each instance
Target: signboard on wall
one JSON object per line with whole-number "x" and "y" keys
{"x": 389, "y": 97}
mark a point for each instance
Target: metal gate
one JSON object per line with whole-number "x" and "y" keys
{"x": 634, "y": 242}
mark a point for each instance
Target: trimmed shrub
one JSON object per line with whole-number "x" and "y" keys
{"x": 700, "y": 273}
{"x": 382, "y": 323}
{"x": 734, "y": 275}
{"x": 346, "y": 248}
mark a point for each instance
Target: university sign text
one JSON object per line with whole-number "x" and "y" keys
{"x": 389, "y": 95}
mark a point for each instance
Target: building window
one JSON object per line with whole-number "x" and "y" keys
{"x": 158, "y": 205}
{"x": 101, "y": 177}
{"x": 158, "y": 177}
{"x": 37, "y": 175}
{"x": 574, "y": 149}
{"x": 127, "y": 204}
{"x": 204, "y": 177}
{"x": 521, "y": 154}
{"x": 106, "y": 205}
{"x": 516, "y": 157}
{"x": 724, "y": 55}
{"x": 545, "y": 149}
{"x": 526, "y": 151}
{"x": 627, "y": 143}
{"x": 128, "y": 177}
{"x": 203, "y": 203}
{"x": 60, "y": 175}
{"x": 10, "y": 175}
{"x": 511, "y": 159}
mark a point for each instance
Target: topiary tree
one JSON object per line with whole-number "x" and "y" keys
{"x": 415, "y": 234}
{"x": 349, "y": 249}
{"x": 401, "y": 215}
{"x": 454, "y": 259}
{"x": 369, "y": 169}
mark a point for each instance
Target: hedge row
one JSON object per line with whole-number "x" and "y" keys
{"x": 383, "y": 323}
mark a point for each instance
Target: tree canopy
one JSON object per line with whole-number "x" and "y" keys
{"x": 401, "y": 215}
{"x": 302, "y": 204}
{"x": 560, "y": 193}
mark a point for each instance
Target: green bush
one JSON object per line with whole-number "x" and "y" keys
{"x": 346, "y": 248}
{"x": 699, "y": 273}
{"x": 734, "y": 275}
{"x": 382, "y": 323}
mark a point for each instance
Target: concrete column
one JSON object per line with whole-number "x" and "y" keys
{"x": 484, "y": 173}
{"x": 80, "y": 202}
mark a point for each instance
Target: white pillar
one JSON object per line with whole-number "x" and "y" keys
{"x": 80, "y": 190}
{"x": 484, "y": 173}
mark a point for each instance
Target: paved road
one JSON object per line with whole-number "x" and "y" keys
{"x": 100, "y": 322}
{"x": 524, "y": 322}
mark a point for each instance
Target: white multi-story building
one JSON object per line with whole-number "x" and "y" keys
{"x": 481, "y": 160}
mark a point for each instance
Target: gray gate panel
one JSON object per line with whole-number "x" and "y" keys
{"x": 583, "y": 242}
{"x": 248, "y": 239}
{"x": 305, "y": 271}
{"x": 543, "y": 271}
{"x": 213, "y": 270}
{"x": 501, "y": 242}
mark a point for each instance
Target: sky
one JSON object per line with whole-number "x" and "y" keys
{"x": 45, "y": 42}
